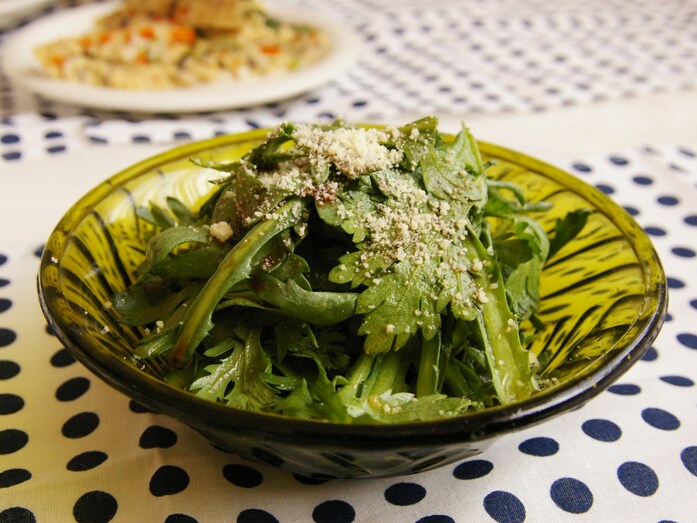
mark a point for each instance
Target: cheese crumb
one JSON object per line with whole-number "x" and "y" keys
{"x": 221, "y": 231}
{"x": 353, "y": 151}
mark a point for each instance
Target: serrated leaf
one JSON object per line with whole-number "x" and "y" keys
{"x": 454, "y": 171}
{"x": 398, "y": 307}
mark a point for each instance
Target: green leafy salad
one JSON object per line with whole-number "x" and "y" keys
{"x": 347, "y": 274}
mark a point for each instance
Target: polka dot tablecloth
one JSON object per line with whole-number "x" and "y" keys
{"x": 73, "y": 449}
{"x": 481, "y": 56}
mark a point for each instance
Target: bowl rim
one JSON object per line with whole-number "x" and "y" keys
{"x": 480, "y": 425}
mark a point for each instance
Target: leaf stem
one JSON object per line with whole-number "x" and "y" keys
{"x": 235, "y": 267}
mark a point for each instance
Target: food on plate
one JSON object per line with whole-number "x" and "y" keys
{"x": 156, "y": 44}
{"x": 346, "y": 273}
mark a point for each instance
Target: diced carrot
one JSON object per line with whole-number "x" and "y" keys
{"x": 182, "y": 34}
{"x": 142, "y": 58}
{"x": 127, "y": 35}
{"x": 85, "y": 42}
{"x": 270, "y": 49}
{"x": 147, "y": 32}
{"x": 58, "y": 60}
{"x": 104, "y": 37}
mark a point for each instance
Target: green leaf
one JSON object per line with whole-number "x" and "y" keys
{"x": 237, "y": 378}
{"x": 150, "y": 300}
{"x": 163, "y": 243}
{"x": 180, "y": 211}
{"x": 567, "y": 228}
{"x": 398, "y": 307}
{"x": 454, "y": 171}
{"x": 235, "y": 267}
{"x": 291, "y": 300}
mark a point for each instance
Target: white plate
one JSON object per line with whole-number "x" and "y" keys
{"x": 14, "y": 11}
{"x": 22, "y": 65}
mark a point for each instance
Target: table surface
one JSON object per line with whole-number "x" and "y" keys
{"x": 605, "y": 90}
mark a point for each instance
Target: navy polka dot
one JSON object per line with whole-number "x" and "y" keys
{"x": 619, "y": 160}
{"x": 655, "y": 231}
{"x": 5, "y": 304}
{"x": 436, "y": 518}
{"x": 9, "y": 139}
{"x": 688, "y": 340}
{"x": 539, "y": 446}
{"x": 683, "y": 252}
{"x": 660, "y": 419}
{"x": 642, "y": 180}
{"x": 504, "y": 507}
{"x": 17, "y": 515}
{"x": 650, "y": 355}
{"x": 582, "y": 167}
{"x": 255, "y": 515}
{"x": 8, "y": 369}
{"x": 180, "y": 518}
{"x": 157, "y": 437}
{"x": 571, "y": 495}
{"x": 242, "y": 475}
{"x": 80, "y": 425}
{"x": 62, "y": 358}
{"x": 12, "y": 440}
{"x": 12, "y": 477}
{"x": 605, "y": 188}
{"x": 668, "y": 200}
{"x": 95, "y": 507}
{"x": 333, "y": 511}
{"x": 675, "y": 283}
{"x": 625, "y": 389}
{"x": 140, "y": 138}
{"x": 12, "y": 155}
{"x": 632, "y": 211}
{"x": 72, "y": 389}
{"x": 87, "y": 461}
{"x": 10, "y": 404}
{"x": 678, "y": 381}
{"x": 601, "y": 430}
{"x": 637, "y": 478}
{"x": 691, "y": 220}
{"x": 50, "y": 135}
{"x": 473, "y": 469}
{"x": 3, "y": 259}
{"x": 168, "y": 480}
{"x": 56, "y": 149}
{"x": 4, "y": 282}
{"x": 138, "y": 408}
{"x": 689, "y": 459}
{"x": 404, "y": 494}
{"x": 7, "y": 337}
{"x": 309, "y": 480}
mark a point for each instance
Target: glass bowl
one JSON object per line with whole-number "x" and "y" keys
{"x": 604, "y": 300}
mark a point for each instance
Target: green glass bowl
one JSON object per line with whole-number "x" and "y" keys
{"x": 604, "y": 301}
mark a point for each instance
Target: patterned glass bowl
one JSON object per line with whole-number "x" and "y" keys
{"x": 604, "y": 301}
